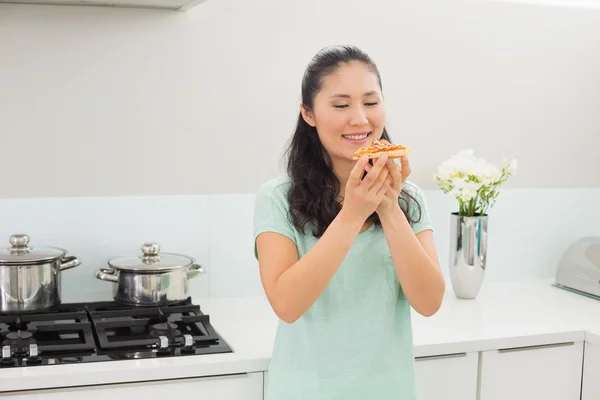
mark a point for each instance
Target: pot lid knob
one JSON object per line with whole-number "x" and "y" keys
{"x": 19, "y": 241}
{"x": 21, "y": 254}
{"x": 150, "y": 249}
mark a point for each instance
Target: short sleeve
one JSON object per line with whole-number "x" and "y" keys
{"x": 271, "y": 212}
{"x": 418, "y": 209}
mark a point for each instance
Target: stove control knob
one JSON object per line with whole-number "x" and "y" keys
{"x": 34, "y": 358}
{"x": 164, "y": 342}
{"x": 188, "y": 340}
{"x": 6, "y": 360}
{"x": 163, "y": 345}
{"x": 188, "y": 344}
{"x": 33, "y": 350}
{"x": 6, "y": 352}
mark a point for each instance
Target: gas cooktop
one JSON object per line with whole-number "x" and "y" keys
{"x": 105, "y": 331}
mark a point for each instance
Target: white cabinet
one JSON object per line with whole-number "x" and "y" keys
{"x": 223, "y": 387}
{"x": 452, "y": 376}
{"x": 590, "y": 389}
{"x": 549, "y": 372}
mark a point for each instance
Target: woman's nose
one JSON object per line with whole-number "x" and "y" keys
{"x": 358, "y": 116}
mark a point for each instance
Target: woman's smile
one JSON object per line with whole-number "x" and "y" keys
{"x": 357, "y": 138}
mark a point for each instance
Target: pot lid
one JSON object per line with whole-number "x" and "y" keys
{"x": 21, "y": 253}
{"x": 151, "y": 260}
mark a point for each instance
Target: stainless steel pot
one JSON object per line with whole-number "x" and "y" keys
{"x": 30, "y": 278}
{"x": 152, "y": 279}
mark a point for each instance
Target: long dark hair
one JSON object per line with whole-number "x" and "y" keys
{"x": 314, "y": 191}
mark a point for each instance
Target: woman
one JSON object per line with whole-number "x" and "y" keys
{"x": 335, "y": 238}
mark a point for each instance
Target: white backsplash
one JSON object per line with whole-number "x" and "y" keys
{"x": 528, "y": 232}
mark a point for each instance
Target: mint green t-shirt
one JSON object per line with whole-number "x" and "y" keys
{"x": 355, "y": 342}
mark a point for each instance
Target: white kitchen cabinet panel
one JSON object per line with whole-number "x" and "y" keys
{"x": 451, "y": 376}
{"x": 591, "y": 372}
{"x": 223, "y": 387}
{"x": 549, "y": 372}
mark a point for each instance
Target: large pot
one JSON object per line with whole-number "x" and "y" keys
{"x": 30, "y": 277}
{"x": 152, "y": 279}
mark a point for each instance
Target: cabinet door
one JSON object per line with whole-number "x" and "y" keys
{"x": 591, "y": 372}
{"x": 223, "y": 387}
{"x": 549, "y": 372}
{"x": 452, "y": 376}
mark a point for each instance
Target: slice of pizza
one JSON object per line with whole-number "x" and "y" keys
{"x": 381, "y": 147}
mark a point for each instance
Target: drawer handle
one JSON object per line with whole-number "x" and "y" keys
{"x": 535, "y": 347}
{"x": 440, "y": 357}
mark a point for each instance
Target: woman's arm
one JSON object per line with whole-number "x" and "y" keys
{"x": 291, "y": 285}
{"x": 416, "y": 262}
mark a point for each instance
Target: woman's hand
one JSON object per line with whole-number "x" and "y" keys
{"x": 398, "y": 177}
{"x": 362, "y": 197}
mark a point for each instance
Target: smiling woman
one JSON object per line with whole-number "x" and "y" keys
{"x": 343, "y": 94}
{"x": 345, "y": 248}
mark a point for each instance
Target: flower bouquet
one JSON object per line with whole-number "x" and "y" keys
{"x": 474, "y": 182}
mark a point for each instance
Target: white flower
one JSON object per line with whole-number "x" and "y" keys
{"x": 465, "y": 190}
{"x": 464, "y": 163}
{"x": 464, "y": 194}
{"x": 467, "y": 177}
{"x": 473, "y": 187}
{"x": 458, "y": 183}
{"x": 512, "y": 168}
{"x": 467, "y": 195}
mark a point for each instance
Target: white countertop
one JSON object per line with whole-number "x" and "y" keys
{"x": 504, "y": 315}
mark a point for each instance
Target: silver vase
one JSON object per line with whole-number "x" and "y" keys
{"x": 468, "y": 249}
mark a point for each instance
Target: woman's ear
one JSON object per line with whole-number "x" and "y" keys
{"x": 307, "y": 115}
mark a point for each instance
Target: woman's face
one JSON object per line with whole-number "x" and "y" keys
{"x": 348, "y": 112}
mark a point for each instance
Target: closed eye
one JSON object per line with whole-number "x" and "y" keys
{"x": 366, "y": 104}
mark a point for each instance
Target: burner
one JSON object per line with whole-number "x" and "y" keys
{"x": 17, "y": 325}
{"x": 22, "y": 338}
{"x": 167, "y": 329}
{"x": 54, "y": 333}
{"x": 15, "y": 335}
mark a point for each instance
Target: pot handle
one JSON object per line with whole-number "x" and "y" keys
{"x": 106, "y": 274}
{"x": 69, "y": 262}
{"x": 195, "y": 270}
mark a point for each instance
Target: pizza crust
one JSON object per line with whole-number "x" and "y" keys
{"x": 390, "y": 154}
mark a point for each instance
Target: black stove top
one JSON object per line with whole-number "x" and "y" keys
{"x": 105, "y": 331}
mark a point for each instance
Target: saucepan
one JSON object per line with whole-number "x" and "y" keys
{"x": 151, "y": 279}
{"x": 30, "y": 278}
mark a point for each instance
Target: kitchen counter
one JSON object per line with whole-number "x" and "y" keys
{"x": 504, "y": 315}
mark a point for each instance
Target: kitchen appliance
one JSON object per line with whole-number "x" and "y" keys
{"x": 30, "y": 277}
{"x": 579, "y": 268}
{"x": 152, "y": 279}
{"x": 106, "y": 331}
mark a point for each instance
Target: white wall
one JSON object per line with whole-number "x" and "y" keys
{"x": 111, "y": 102}
{"x": 112, "y": 122}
